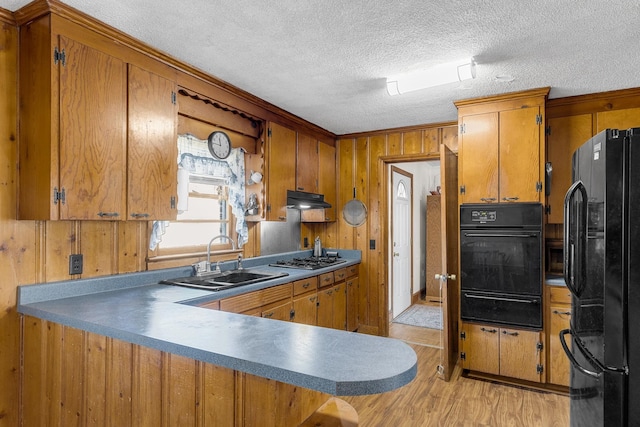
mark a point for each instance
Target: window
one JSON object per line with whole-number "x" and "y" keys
{"x": 209, "y": 215}
{"x": 402, "y": 191}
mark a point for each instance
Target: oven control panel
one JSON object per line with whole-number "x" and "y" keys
{"x": 483, "y": 216}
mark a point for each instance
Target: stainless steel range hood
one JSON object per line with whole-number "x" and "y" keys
{"x": 303, "y": 200}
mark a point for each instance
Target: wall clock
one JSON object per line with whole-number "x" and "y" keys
{"x": 219, "y": 145}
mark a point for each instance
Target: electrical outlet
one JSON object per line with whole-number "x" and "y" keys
{"x": 75, "y": 264}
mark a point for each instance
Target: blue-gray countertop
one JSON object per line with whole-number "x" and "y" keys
{"x": 134, "y": 308}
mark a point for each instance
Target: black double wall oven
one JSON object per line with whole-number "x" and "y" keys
{"x": 501, "y": 264}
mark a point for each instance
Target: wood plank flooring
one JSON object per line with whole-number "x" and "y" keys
{"x": 430, "y": 401}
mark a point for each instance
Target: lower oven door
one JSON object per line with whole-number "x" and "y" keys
{"x": 502, "y": 309}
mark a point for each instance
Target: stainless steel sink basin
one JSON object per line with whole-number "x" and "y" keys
{"x": 224, "y": 280}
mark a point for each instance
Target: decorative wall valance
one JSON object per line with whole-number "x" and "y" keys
{"x": 253, "y": 126}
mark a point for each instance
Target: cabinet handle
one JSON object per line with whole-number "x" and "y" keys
{"x": 510, "y": 199}
{"x": 140, "y": 215}
{"x": 326, "y": 279}
{"x": 329, "y": 292}
{"x": 268, "y": 315}
{"x": 312, "y": 299}
{"x": 488, "y": 199}
{"x": 566, "y": 313}
{"x": 337, "y": 288}
{"x": 513, "y": 334}
{"x": 306, "y": 285}
{"x": 491, "y": 331}
{"x": 108, "y": 214}
{"x": 282, "y": 218}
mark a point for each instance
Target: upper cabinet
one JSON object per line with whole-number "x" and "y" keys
{"x": 152, "y": 147}
{"x": 280, "y": 161}
{"x": 501, "y": 148}
{"x": 325, "y": 163}
{"x": 307, "y": 164}
{"x": 570, "y": 123}
{"x": 73, "y": 129}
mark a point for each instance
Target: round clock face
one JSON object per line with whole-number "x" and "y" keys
{"x": 219, "y": 145}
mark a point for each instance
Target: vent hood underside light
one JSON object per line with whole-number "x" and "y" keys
{"x": 303, "y": 200}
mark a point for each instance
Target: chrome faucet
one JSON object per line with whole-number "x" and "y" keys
{"x": 239, "y": 262}
{"x": 202, "y": 267}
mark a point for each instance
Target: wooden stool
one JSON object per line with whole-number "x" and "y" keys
{"x": 334, "y": 413}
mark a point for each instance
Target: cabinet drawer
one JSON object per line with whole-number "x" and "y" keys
{"x": 326, "y": 279}
{"x": 340, "y": 274}
{"x": 352, "y": 270}
{"x": 305, "y": 285}
{"x": 559, "y": 294}
{"x": 246, "y": 302}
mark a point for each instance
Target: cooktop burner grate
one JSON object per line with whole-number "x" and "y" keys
{"x": 311, "y": 263}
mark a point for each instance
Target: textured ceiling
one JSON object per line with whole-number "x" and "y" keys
{"x": 326, "y": 60}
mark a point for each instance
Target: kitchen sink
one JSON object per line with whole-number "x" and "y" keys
{"x": 224, "y": 280}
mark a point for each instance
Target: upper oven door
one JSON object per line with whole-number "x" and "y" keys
{"x": 501, "y": 260}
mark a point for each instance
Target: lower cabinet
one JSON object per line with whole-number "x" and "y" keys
{"x": 329, "y": 300}
{"x": 559, "y": 318}
{"x": 508, "y": 352}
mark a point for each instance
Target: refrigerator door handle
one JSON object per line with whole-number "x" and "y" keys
{"x": 572, "y": 359}
{"x": 569, "y": 269}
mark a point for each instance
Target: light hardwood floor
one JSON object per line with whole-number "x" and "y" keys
{"x": 430, "y": 401}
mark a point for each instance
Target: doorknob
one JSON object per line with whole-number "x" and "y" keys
{"x": 396, "y": 254}
{"x": 445, "y": 276}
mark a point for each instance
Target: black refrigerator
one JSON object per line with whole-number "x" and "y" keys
{"x": 602, "y": 271}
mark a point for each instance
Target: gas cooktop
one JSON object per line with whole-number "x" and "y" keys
{"x": 310, "y": 263}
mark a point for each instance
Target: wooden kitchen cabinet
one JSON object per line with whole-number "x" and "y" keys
{"x": 152, "y": 146}
{"x": 506, "y": 133}
{"x": 564, "y": 136}
{"x": 280, "y": 162}
{"x": 332, "y": 306}
{"x": 326, "y": 185}
{"x": 352, "y": 284}
{"x": 98, "y": 134}
{"x": 559, "y": 318}
{"x": 307, "y": 164}
{"x": 73, "y": 110}
{"x": 305, "y": 301}
{"x": 508, "y": 352}
{"x": 282, "y": 310}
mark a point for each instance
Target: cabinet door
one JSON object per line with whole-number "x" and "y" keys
{"x": 279, "y": 312}
{"x": 559, "y": 368}
{"x": 327, "y": 178}
{"x": 325, "y": 307}
{"x": 352, "y": 303}
{"x": 565, "y": 135}
{"x": 481, "y": 348}
{"x": 520, "y": 354}
{"x": 519, "y": 155}
{"x": 305, "y": 308}
{"x": 340, "y": 306}
{"x": 618, "y": 119}
{"x": 282, "y": 170}
{"x": 307, "y": 164}
{"x": 93, "y": 122}
{"x": 152, "y": 147}
{"x": 479, "y": 158}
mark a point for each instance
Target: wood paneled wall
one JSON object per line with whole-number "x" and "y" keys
{"x": 361, "y": 166}
{"x": 76, "y": 378}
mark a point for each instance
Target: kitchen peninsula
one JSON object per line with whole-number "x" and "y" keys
{"x": 162, "y": 357}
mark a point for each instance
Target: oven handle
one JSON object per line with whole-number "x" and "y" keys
{"x": 523, "y": 235}
{"x": 569, "y": 248}
{"x": 528, "y": 301}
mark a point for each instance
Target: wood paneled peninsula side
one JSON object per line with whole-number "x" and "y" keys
{"x": 129, "y": 349}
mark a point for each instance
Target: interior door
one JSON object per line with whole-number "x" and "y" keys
{"x": 401, "y": 285}
{"x": 450, "y": 289}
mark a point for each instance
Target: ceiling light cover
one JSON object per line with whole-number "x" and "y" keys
{"x": 436, "y": 76}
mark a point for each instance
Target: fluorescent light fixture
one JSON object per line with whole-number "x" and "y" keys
{"x": 436, "y": 76}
